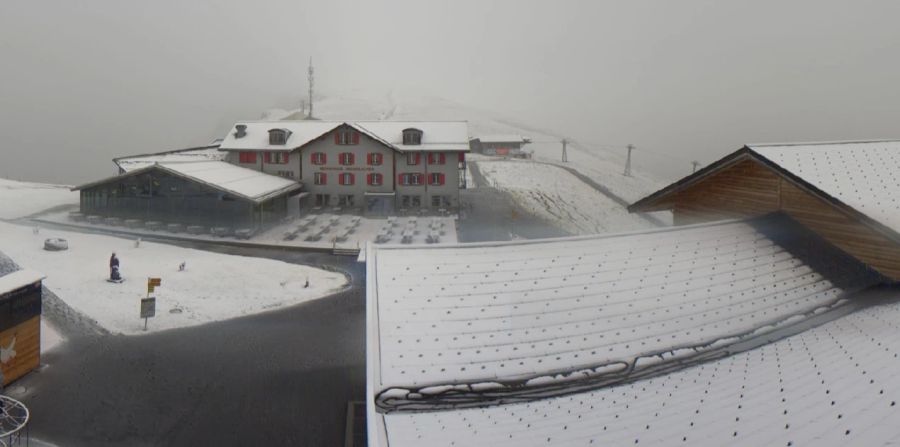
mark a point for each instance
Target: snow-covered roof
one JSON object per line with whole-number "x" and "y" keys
{"x": 863, "y": 175}
{"x": 436, "y": 135}
{"x": 860, "y": 176}
{"x": 503, "y": 139}
{"x": 833, "y": 385}
{"x": 18, "y": 279}
{"x": 241, "y": 182}
{"x": 484, "y": 324}
{"x": 207, "y": 153}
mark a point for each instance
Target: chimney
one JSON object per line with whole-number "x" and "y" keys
{"x": 241, "y": 131}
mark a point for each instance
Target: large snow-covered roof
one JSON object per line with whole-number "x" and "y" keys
{"x": 436, "y": 135}
{"x": 207, "y": 153}
{"x": 833, "y": 385}
{"x": 245, "y": 183}
{"x": 862, "y": 175}
{"x": 482, "y": 324}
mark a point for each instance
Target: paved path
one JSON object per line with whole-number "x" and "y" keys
{"x": 278, "y": 378}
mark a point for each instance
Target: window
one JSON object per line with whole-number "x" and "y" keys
{"x": 278, "y": 136}
{"x": 346, "y": 158}
{"x": 435, "y": 179}
{"x": 247, "y": 157}
{"x": 346, "y": 178}
{"x": 410, "y": 201}
{"x": 323, "y": 199}
{"x": 346, "y": 137}
{"x": 376, "y": 179}
{"x": 412, "y": 136}
{"x": 318, "y": 158}
{"x": 375, "y": 159}
{"x": 320, "y": 178}
{"x": 277, "y": 158}
{"x": 412, "y": 158}
{"x": 346, "y": 200}
{"x": 286, "y": 174}
{"x": 435, "y": 201}
{"x": 411, "y": 179}
{"x": 436, "y": 159}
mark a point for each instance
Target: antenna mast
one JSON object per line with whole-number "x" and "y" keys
{"x": 311, "y": 82}
{"x": 627, "y": 172}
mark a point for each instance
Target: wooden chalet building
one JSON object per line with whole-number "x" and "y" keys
{"x": 20, "y": 320}
{"x": 847, "y": 192}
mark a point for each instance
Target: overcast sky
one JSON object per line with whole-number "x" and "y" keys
{"x": 82, "y": 82}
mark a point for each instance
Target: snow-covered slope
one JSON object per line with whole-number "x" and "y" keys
{"x": 599, "y": 164}
{"x": 20, "y": 199}
{"x": 550, "y": 192}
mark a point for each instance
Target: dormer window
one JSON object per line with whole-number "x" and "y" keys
{"x": 278, "y": 137}
{"x": 412, "y": 137}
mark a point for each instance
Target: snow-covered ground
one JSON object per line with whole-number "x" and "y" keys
{"x": 20, "y": 199}
{"x": 557, "y": 195}
{"x": 213, "y": 287}
{"x": 327, "y": 226}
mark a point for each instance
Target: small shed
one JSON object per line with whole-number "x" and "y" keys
{"x": 847, "y": 192}
{"x": 500, "y": 145}
{"x": 20, "y": 320}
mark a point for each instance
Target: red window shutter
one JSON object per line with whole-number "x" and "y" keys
{"x": 441, "y": 176}
{"x": 462, "y": 157}
{"x": 253, "y": 157}
{"x": 337, "y": 137}
{"x": 400, "y": 179}
{"x": 268, "y": 157}
{"x": 355, "y": 137}
{"x": 352, "y": 178}
{"x": 431, "y": 159}
{"x": 352, "y": 158}
{"x": 442, "y": 158}
{"x": 369, "y": 179}
{"x": 418, "y": 158}
{"x": 369, "y": 159}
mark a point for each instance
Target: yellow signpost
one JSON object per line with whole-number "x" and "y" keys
{"x": 148, "y": 305}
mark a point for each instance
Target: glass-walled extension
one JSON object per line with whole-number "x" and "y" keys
{"x": 160, "y": 196}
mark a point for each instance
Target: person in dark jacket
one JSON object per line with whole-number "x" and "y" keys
{"x": 114, "y": 267}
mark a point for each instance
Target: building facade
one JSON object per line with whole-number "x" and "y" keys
{"x": 376, "y": 167}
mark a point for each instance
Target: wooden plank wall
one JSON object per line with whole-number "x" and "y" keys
{"x": 750, "y": 189}
{"x": 848, "y": 234}
{"x": 28, "y": 348}
{"x": 743, "y": 190}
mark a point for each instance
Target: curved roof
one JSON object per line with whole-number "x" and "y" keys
{"x": 487, "y": 325}
{"x": 833, "y": 385}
